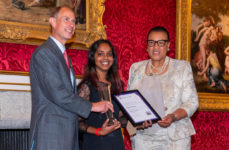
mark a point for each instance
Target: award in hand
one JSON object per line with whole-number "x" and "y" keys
{"x": 105, "y": 94}
{"x": 136, "y": 107}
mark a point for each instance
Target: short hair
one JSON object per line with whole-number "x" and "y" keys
{"x": 55, "y": 11}
{"x": 158, "y": 29}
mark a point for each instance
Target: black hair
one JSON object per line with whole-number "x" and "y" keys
{"x": 90, "y": 68}
{"x": 158, "y": 29}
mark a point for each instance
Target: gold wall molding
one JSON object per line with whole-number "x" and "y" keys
{"x": 15, "y": 32}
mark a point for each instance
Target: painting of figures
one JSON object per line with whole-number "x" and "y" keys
{"x": 210, "y": 45}
{"x": 38, "y": 11}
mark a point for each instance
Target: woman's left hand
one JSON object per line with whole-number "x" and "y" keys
{"x": 108, "y": 129}
{"x": 166, "y": 121}
{"x": 145, "y": 125}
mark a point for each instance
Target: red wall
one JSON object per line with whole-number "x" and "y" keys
{"x": 128, "y": 22}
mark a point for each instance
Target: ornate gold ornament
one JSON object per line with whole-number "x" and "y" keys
{"x": 15, "y": 32}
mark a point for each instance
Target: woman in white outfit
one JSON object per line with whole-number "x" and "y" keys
{"x": 179, "y": 94}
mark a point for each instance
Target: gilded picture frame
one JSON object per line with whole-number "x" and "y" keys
{"x": 207, "y": 101}
{"x": 34, "y": 34}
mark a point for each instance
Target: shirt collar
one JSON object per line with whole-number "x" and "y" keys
{"x": 61, "y": 47}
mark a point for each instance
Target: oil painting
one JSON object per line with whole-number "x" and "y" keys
{"x": 26, "y": 21}
{"x": 210, "y": 45}
{"x": 37, "y": 11}
{"x": 202, "y": 38}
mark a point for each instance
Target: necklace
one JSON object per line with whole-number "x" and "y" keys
{"x": 159, "y": 70}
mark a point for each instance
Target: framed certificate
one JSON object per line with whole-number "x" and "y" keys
{"x": 136, "y": 107}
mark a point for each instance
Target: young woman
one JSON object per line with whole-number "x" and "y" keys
{"x": 101, "y": 69}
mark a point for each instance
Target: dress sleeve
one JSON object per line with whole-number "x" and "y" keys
{"x": 122, "y": 119}
{"x": 83, "y": 92}
{"x": 131, "y": 76}
{"x": 189, "y": 95}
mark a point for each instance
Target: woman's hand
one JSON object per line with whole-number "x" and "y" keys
{"x": 199, "y": 73}
{"x": 166, "y": 121}
{"x": 108, "y": 129}
{"x": 145, "y": 125}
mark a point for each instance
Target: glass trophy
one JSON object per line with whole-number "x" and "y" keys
{"x": 105, "y": 94}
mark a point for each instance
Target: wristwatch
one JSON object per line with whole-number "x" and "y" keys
{"x": 174, "y": 117}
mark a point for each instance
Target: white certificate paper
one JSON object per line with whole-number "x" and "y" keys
{"x": 137, "y": 108}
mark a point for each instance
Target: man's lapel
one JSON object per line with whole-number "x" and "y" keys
{"x": 52, "y": 45}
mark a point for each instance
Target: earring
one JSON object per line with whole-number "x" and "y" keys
{"x": 168, "y": 49}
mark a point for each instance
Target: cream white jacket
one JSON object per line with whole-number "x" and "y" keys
{"x": 179, "y": 91}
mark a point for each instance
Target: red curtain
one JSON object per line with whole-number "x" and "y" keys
{"x": 128, "y": 22}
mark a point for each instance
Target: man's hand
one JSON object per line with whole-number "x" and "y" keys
{"x": 102, "y": 106}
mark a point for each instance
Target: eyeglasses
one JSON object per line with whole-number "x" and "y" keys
{"x": 160, "y": 43}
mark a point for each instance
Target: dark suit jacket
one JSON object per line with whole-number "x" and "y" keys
{"x": 55, "y": 103}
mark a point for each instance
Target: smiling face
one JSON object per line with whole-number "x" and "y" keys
{"x": 63, "y": 25}
{"x": 103, "y": 58}
{"x": 157, "y": 53}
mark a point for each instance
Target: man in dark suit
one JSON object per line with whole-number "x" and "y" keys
{"x": 55, "y": 103}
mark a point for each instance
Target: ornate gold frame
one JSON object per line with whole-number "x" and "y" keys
{"x": 207, "y": 101}
{"x": 14, "y": 32}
